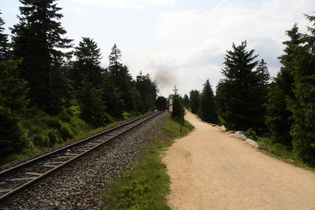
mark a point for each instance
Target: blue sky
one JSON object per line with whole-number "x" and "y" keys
{"x": 179, "y": 42}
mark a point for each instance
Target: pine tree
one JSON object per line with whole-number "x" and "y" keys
{"x": 148, "y": 91}
{"x": 4, "y": 43}
{"x": 279, "y": 118}
{"x": 123, "y": 80}
{"x": 112, "y": 96}
{"x": 178, "y": 107}
{"x": 208, "y": 111}
{"x": 13, "y": 102}
{"x": 303, "y": 104}
{"x": 237, "y": 92}
{"x": 93, "y": 109}
{"x": 194, "y": 101}
{"x": 87, "y": 64}
{"x": 186, "y": 101}
{"x": 37, "y": 39}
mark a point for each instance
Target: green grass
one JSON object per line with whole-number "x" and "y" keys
{"x": 147, "y": 184}
{"x": 282, "y": 152}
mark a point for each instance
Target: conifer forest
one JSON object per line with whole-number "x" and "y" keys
{"x": 52, "y": 91}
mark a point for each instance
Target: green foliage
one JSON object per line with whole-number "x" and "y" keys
{"x": 195, "y": 101}
{"x": 208, "y": 110}
{"x": 93, "y": 109}
{"x": 279, "y": 118}
{"x": 242, "y": 94}
{"x": 147, "y": 90}
{"x": 178, "y": 108}
{"x": 41, "y": 140}
{"x": 53, "y": 137}
{"x": 13, "y": 138}
{"x": 186, "y": 101}
{"x": 37, "y": 39}
{"x": 87, "y": 64}
{"x": 4, "y": 43}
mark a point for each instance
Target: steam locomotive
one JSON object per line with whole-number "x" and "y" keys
{"x": 161, "y": 103}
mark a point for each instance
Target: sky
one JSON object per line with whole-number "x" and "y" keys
{"x": 179, "y": 43}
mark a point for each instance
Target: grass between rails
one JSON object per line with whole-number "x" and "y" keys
{"x": 147, "y": 184}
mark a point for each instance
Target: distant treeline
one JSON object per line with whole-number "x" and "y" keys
{"x": 281, "y": 109}
{"x": 46, "y": 82}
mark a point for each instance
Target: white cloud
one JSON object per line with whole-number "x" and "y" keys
{"x": 136, "y": 4}
{"x": 198, "y": 40}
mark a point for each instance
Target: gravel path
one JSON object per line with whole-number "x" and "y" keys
{"x": 79, "y": 186}
{"x": 212, "y": 170}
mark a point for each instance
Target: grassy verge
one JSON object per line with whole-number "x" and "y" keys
{"x": 44, "y": 132}
{"x": 147, "y": 184}
{"x": 279, "y": 151}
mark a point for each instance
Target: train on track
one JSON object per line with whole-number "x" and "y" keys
{"x": 161, "y": 104}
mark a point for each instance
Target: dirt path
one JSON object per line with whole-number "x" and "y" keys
{"x": 211, "y": 170}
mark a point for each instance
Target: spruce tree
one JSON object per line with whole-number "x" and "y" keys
{"x": 208, "y": 111}
{"x": 148, "y": 92}
{"x": 303, "y": 103}
{"x": 123, "y": 80}
{"x": 194, "y": 101}
{"x": 237, "y": 92}
{"x": 38, "y": 40}
{"x": 4, "y": 43}
{"x": 279, "y": 118}
{"x": 13, "y": 102}
{"x": 87, "y": 64}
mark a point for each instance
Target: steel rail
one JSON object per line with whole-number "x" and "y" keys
{"x": 55, "y": 168}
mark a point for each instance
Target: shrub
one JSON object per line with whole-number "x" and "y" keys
{"x": 40, "y": 140}
{"x": 53, "y": 137}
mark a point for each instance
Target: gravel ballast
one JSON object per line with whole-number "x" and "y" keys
{"x": 78, "y": 186}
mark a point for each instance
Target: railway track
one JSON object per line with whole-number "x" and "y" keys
{"x": 16, "y": 179}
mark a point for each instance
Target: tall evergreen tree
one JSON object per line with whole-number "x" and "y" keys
{"x": 38, "y": 40}
{"x": 237, "y": 92}
{"x": 186, "y": 101}
{"x": 112, "y": 96}
{"x": 194, "y": 101}
{"x": 148, "y": 91}
{"x": 87, "y": 64}
{"x": 303, "y": 104}
{"x": 123, "y": 80}
{"x": 4, "y": 43}
{"x": 208, "y": 111}
{"x": 13, "y": 102}
{"x": 279, "y": 118}
{"x": 93, "y": 108}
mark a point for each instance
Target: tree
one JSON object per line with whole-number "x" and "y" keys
{"x": 178, "y": 107}
{"x": 302, "y": 105}
{"x": 37, "y": 39}
{"x": 208, "y": 111}
{"x": 93, "y": 109}
{"x": 194, "y": 101}
{"x": 279, "y": 118}
{"x": 87, "y": 64}
{"x": 13, "y": 102}
{"x": 112, "y": 96}
{"x": 186, "y": 101}
{"x": 4, "y": 43}
{"x": 237, "y": 92}
{"x": 148, "y": 92}
{"x": 123, "y": 80}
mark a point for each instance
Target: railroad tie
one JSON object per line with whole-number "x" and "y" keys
{"x": 5, "y": 190}
{"x": 33, "y": 174}
{"x": 50, "y": 166}
{"x": 22, "y": 179}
